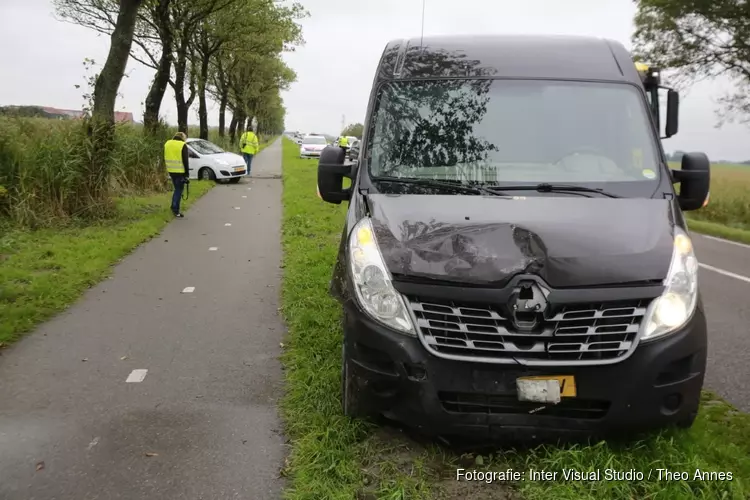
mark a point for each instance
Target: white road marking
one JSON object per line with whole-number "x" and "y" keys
{"x": 722, "y": 240}
{"x": 726, "y": 273}
{"x": 188, "y": 289}
{"x": 213, "y": 249}
{"x": 236, "y": 208}
{"x": 136, "y": 376}
{"x": 228, "y": 224}
{"x": 93, "y": 443}
{"x": 244, "y": 196}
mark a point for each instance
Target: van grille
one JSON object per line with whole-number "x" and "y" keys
{"x": 493, "y": 404}
{"x": 579, "y": 333}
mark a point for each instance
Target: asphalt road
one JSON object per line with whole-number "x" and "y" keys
{"x": 724, "y": 282}
{"x": 202, "y": 424}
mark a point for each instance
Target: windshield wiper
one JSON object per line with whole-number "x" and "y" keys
{"x": 451, "y": 185}
{"x": 553, "y": 188}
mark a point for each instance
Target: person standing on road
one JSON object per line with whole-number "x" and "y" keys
{"x": 344, "y": 144}
{"x": 178, "y": 166}
{"x": 249, "y": 147}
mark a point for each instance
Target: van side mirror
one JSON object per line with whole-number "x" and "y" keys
{"x": 331, "y": 173}
{"x": 673, "y": 113}
{"x": 694, "y": 178}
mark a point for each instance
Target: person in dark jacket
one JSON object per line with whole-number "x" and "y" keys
{"x": 177, "y": 161}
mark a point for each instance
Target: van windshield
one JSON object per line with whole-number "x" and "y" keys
{"x": 505, "y": 132}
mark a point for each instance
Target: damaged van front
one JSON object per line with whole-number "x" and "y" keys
{"x": 515, "y": 261}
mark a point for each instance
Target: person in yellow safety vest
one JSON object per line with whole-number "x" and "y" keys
{"x": 178, "y": 166}
{"x": 344, "y": 144}
{"x": 249, "y": 147}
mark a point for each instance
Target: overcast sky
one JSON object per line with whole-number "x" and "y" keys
{"x": 41, "y": 58}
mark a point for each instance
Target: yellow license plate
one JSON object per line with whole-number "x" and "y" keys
{"x": 567, "y": 383}
{"x": 239, "y": 169}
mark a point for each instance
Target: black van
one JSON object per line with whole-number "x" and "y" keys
{"x": 515, "y": 261}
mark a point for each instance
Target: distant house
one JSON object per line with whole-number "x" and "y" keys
{"x": 120, "y": 116}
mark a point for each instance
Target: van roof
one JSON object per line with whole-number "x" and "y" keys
{"x": 508, "y": 56}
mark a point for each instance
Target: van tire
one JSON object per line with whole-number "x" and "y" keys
{"x": 351, "y": 404}
{"x": 206, "y": 174}
{"x": 687, "y": 421}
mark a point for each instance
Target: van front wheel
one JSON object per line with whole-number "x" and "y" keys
{"x": 687, "y": 421}
{"x": 351, "y": 403}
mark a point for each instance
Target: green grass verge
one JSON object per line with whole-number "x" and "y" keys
{"x": 42, "y": 272}
{"x": 719, "y": 230}
{"x": 333, "y": 457}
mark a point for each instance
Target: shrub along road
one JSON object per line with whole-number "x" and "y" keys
{"x": 333, "y": 457}
{"x": 162, "y": 381}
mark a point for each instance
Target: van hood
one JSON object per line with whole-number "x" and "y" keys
{"x": 568, "y": 242}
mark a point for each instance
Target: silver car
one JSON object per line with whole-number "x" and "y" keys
{"x": 312, "y": 146}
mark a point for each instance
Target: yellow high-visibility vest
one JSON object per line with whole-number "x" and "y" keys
{"x": 249, "y": 143}
{"x": 173, "y": 156}
{"x": 343, "y": 142}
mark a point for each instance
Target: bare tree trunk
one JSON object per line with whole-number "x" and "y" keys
{"x": 241, "y": 117}
{"x": 95, "y": 185}
{"x": 233, "y": 127}
{"x": 223, "y": 113}
{"x": 202, "y": 105}
{"x": 108, "y": 82}
{"x": 161, "y": 78}
{"x": 180, "y": 73}
{"x": 182, "y": 106}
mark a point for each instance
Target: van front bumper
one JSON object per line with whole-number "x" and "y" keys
{"x": 658, "y": 385}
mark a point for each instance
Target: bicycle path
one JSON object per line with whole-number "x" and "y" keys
{"x": 147, "y": 388}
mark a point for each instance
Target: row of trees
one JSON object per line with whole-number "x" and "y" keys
{"x": 228, "y": 50}
{"x": 354, "y": 130}
{"x": 699, "y": 40}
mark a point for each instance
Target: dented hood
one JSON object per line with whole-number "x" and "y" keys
{"x": 567, "y": 241}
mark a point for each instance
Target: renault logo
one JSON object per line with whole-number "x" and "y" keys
{"x": 527, "y": 306}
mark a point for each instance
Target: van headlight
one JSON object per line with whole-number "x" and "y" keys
{"x": 372, "y": 281}
{"x": 677, "y": 303}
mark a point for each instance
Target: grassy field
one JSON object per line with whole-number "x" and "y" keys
{"x": 334, "y": 457}
{"x": 48, "y": 256}
{"x": 728, "y": 212}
